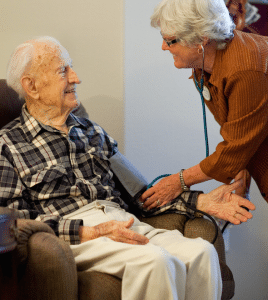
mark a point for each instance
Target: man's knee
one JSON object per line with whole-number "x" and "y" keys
{"x": 204, "y": 250}
{"x": 160, "y": 259}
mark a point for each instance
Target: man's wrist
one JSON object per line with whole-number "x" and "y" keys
{"x": 201, "y": 202}
{"x": 88, "y": 233}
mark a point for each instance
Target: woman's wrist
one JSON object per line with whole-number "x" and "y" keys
{"x": 194, "y": 175}
{"x": 184, "y": 187}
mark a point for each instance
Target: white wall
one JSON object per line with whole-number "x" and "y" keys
{"x": 92, "y": 32}
{"x": 164, "y": 133}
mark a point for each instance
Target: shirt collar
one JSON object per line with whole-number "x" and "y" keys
{"x": 73, "y": 120}
{"x": 32, "y": 127}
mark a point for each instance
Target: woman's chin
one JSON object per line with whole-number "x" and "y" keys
{"x": 178, "y": 65}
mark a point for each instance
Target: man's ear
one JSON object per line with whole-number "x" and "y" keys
{"x": 29, "y": 86}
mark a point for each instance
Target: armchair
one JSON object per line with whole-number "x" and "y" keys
{"x": 44, "y": 265}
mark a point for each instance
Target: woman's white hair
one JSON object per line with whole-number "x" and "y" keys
{"x": 21, "y": 60}
{"x": 192, "y": 20}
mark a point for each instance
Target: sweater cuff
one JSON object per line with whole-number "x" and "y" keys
{"x": 208, "y": 168}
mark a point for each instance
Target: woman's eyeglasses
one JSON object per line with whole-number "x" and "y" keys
{"x": 170, "y": 42}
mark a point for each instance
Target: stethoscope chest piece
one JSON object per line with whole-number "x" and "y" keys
{"x": 206, "y": 93}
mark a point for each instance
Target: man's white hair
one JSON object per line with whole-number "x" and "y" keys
{"x": 21, "y": 60}
{"x": 192, "y": 20}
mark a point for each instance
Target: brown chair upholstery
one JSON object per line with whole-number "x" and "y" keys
{"x": 46, "y": 268}
{"x": 10, "y": 104}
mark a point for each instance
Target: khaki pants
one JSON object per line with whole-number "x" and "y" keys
{"x": 169, "y": 267}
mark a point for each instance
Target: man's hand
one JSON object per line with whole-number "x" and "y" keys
{"x": 115, "y": 230}
{"x": 225, "y": 205}
{"x": 163, "y": 192}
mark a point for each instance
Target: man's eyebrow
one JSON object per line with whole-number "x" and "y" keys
{"x": 60, "y": 67}
{"x": 69, "y": 62}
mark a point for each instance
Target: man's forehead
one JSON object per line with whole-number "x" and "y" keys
{"x": 47, "y": 53}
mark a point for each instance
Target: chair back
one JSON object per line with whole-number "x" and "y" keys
{"x": 10, "y": 104}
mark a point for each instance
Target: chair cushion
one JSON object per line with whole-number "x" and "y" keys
{"x": 167, "y": 221}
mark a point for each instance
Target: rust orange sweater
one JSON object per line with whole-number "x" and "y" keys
{"x": 239, "y": 90}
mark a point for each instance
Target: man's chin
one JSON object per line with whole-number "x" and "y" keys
{"x": 73, "y": 102}
{"x": 76, "y": 104}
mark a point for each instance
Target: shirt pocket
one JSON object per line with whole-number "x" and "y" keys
{"x": 49, "y": 182}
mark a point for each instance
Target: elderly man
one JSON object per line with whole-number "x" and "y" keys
{"x": 54, "y": 168}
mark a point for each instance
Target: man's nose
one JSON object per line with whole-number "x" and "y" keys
{"x": 73, "y": 77}
{"x": 164, "y": 46}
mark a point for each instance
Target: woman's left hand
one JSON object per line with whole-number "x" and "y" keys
{"x": 163, "y": 192}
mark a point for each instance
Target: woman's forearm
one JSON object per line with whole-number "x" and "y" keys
{"x": 194, "y": 175}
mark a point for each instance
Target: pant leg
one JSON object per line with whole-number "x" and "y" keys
{"x": 199, "y": 256}
{"x": 148, "y": 272}
{"x": 204, "y": 280}
{"x": 153, "y": 271}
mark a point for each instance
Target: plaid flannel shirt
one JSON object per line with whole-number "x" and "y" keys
{"x": 46, "y": 174}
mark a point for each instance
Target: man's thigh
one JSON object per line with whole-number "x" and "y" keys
{"x": 107, "y": 256}
{"x": 185, "y": 249}
{"x": 173, "y": 241}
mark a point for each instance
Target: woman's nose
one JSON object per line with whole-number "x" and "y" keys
{"x": 164, "y": 46}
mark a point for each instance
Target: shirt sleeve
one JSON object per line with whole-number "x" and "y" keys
{"x": 246, "y": 126}
{"x": 13, "y": 194}
{"x": 185, "y": 203}
{"x": 109, "y": 145}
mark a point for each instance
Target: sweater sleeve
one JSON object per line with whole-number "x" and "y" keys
{"x": 246, "y": 126}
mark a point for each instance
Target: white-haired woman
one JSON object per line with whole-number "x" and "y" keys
{"x": 230, "y": 68}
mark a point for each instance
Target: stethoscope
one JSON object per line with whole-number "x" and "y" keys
{"x": 204, "y": 93}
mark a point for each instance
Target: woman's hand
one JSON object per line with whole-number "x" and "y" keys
{"x": 163, "y": 192}
{"x": 170, "y": 187}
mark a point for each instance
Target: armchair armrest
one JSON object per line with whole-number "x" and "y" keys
{"x": 46, "y": 266}
{"x": 25, "y": 229}
{"x": 201, "y": 227}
